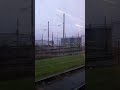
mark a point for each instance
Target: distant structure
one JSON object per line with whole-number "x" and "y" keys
{"x": 71, "y": 42}
{"x": 44, "y": 43}
{"x": 41, "y": 42}
{"x": 82, "y": 40}
{"x": 51, "y": 43}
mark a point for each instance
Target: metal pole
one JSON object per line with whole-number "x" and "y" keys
{"x": 79, "y": 41}
{"x": 63, "y": 31}
{"x": 59, "y": 47}
{"x": 52, "y": 39}
{"x": 65, "y": 35}
{"x": 48, "y": 33}
{"x": 57, "y": 41}
{"x": 42, "y": 40}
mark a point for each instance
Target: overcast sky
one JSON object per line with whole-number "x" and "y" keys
{"x": 52, "y": 11}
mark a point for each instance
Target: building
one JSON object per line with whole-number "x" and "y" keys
{"x": 41, "y": 42}
{"x": 83, "y": 40}
{"x": 44, "y": 43}
{"x": 71, "y": 42}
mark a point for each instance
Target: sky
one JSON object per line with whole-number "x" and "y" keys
{"x": 52, "y": 11}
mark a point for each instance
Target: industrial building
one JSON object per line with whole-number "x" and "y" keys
{"x": 71, "y": 42}
{"x": 44, "y": 43}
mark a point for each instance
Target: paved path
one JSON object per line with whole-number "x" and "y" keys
{"x": 68, "y": 83}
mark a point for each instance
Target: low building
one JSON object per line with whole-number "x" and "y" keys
{"x": 71, "y": 42}
{"x": 41, "y": 42}
{"x": 44, "y": 43}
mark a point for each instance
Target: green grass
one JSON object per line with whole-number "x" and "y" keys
{"x": 51, "y": 66}
{"x": 103, "y": 78}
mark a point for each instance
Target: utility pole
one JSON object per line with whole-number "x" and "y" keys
{"x": 48, "y": 33}
{"x": 57, "y": 41}
{"x": 42, "y": 40}
{"x": 59, "y": 47}
{"x": 78, "y": 35}
{"x": 78, "y": 40}
{"x": 63, "y": 31}
{"x": 52, "y": 39}
{"x": 65, "y": 35}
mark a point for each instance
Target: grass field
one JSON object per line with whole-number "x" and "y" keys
{"x": 51, "y": 66}
{"x": 107, "y": 78}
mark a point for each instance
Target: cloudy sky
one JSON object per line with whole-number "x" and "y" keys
{"x": 52, "y": 11}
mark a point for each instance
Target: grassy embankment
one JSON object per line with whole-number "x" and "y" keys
{"x": 46, "y": 67}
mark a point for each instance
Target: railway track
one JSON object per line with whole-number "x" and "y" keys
{"x": 59, "y": 76}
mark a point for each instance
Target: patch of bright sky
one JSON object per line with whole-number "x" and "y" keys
{"x": 52, "y": 11}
